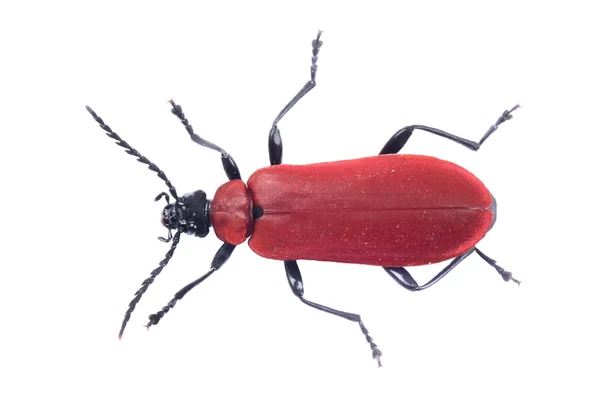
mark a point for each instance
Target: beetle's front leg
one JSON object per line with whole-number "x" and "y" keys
{"x": 219, "y": 259}
{"x": 229, "y": 165}
{"x": 275, "y": 143}
{"x": 297, "y": 285}
{"x": 399, "y": 139}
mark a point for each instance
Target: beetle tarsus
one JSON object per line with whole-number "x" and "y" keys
{"x": 275, "y": 143}
{"x": 506, "y": 115}
{"x": 297, "y": 285}
{"x": 506, "y": 275}
{"x": 316, "y": 44}
{"x": 154, "y": 319}
{"x": 376, "y": 352}
{"x": 231, "y": 169}
{"x": 219, "y": 259}
{"x": 399, "y": 139}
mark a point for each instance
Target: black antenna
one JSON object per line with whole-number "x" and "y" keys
{"x": 133, "y": 152}
{"x": 148, "y": 282}
{"x": 161, "y": 175}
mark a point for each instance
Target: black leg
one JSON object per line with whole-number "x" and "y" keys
{"x": 405, "y": 279}
{"x": 507, "y": 276}
{"x": 295, "y": 280}
{"x": 220, "y": 258}
{"x": 229, "y": 165}
{"x": 275, "y": 144}
{"x": 399, "y": 139}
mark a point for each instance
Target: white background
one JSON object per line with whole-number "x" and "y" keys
{"x": 79, "y": 225}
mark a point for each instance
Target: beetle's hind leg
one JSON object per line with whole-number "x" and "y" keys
{"x": 297, "y": 285}
{"x": 399, "y": 139}
{"x": 275, "y": 143}
{"x": 506, "y": 275}
{"x": 405, "y": 279}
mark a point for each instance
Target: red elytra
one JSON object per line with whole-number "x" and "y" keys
{"x": 387, "y": 210}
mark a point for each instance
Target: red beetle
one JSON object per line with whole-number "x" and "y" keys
{"x": 389, "y": 210}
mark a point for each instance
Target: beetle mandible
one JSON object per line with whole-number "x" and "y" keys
{"x": 388, "y": 210}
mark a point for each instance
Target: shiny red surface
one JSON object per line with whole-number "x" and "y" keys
{"x": 231, "y": 212}
{"x": 392, "y": 210}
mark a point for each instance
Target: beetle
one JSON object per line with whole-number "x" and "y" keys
{"x": 388, "y": 210}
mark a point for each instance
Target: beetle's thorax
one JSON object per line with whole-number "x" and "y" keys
{"x": 231, "y": 212}
{"x": 189, "y": 214}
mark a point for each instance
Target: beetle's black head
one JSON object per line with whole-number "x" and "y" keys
{"x": 189, "y": 214}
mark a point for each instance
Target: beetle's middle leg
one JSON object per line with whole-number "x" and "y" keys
{"x": 275, "y": 144}
{"x": 297, "y": 285}
{"x": 399, "y": 139}
{"x": 405, "y": 279}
